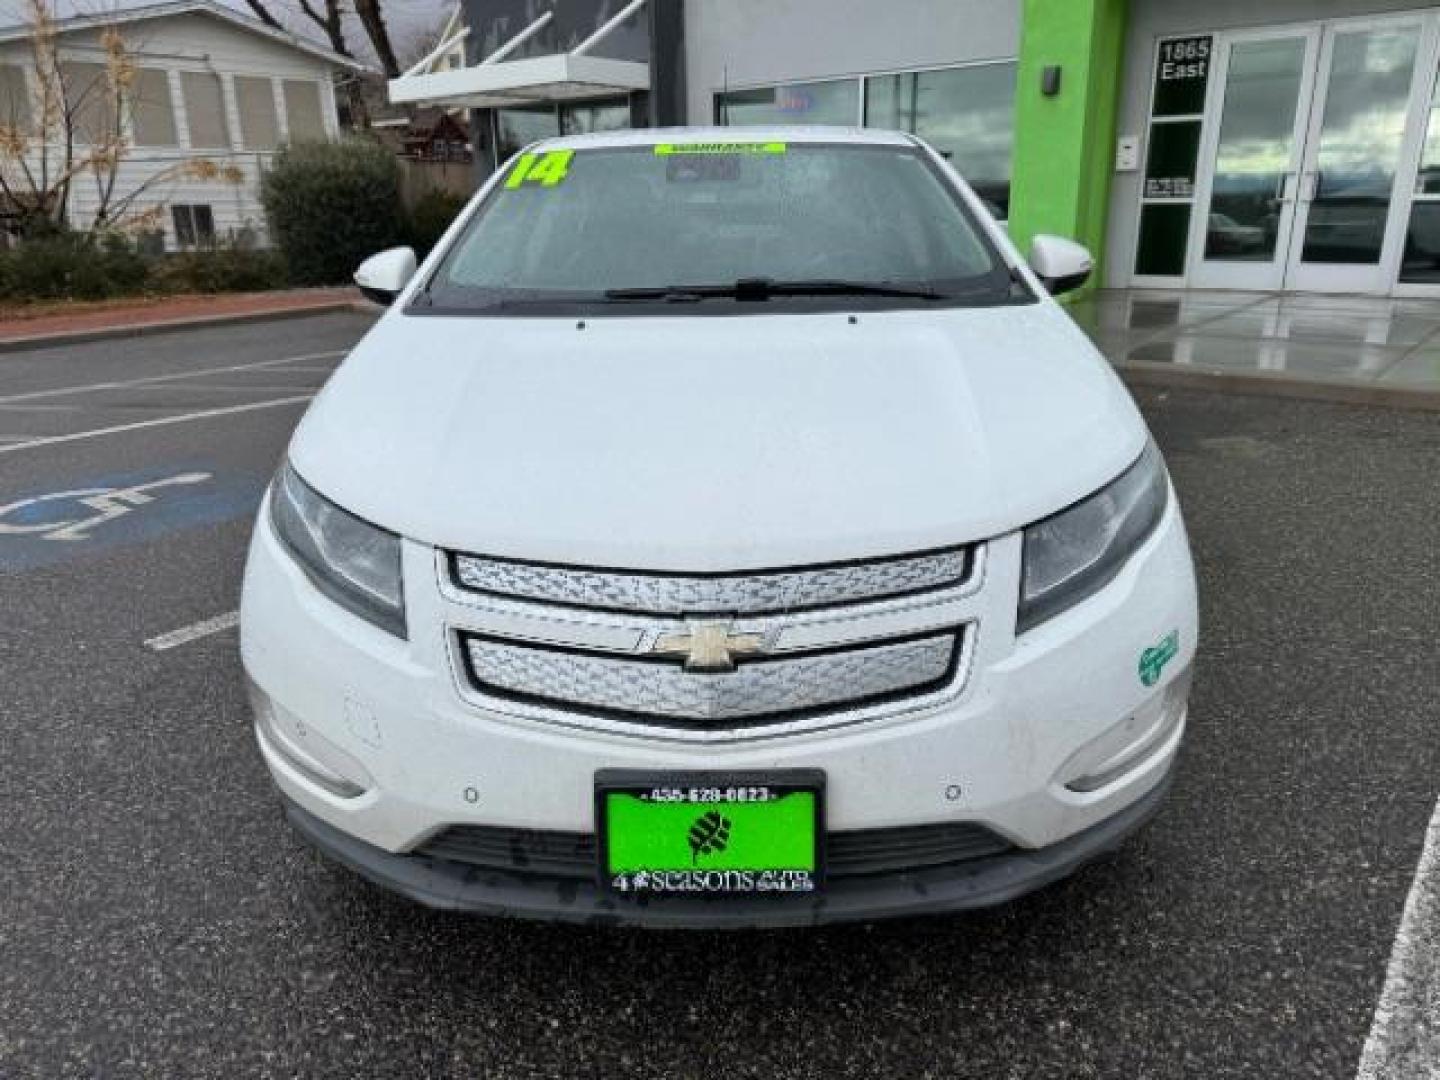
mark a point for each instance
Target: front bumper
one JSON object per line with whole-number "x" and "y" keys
{"x": 963, "y": 887}
{"x": 1055, "y": 744}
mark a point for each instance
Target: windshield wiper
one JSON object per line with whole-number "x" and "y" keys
{"x": 764, "y": 288}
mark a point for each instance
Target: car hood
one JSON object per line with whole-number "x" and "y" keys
{"x": 717, "y": 442}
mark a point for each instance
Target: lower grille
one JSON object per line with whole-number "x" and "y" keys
{"x": 851, "y": 854}
{"x": 775, "y": 688}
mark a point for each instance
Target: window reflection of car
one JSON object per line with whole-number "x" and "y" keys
{"x": 1346, "y": 230}
{"x": 1422, "y": 245}
{"x": 1228, "y": 236}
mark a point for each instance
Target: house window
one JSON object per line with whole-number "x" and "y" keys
{"x": 194, "y": 225}
{"x": 14, "y": 99}
{"x": 89, "y": 102}
{"x": 302, "y": 110}
{"x": 205, "y": 108}
{"x": 259, "y": 124}
{"x": 152, "y": 111}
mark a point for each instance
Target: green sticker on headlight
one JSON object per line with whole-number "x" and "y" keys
{"x": 667, "y": 149}
{"x": 1154, "y": 659}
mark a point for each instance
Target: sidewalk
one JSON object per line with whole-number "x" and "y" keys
{"x": 68, "y": 323}
{"x": 1348, "y": 348}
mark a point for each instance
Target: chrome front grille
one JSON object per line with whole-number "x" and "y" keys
{"x": 713, "y": 658}
{"x": 776, "y": 688}
{"x": 761, "y": 592}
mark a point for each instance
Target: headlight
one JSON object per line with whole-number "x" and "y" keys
{"x": 351, "y": 561}
{"x": 1077, "y": 552}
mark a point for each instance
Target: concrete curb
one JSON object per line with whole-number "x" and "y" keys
{"x": 1278, "y": 384}
{"x": 194, "y": 322}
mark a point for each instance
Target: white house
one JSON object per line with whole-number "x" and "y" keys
{"x": 211, "y": 85}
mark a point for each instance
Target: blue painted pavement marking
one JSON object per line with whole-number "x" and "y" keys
{"x": 97, "y": 514}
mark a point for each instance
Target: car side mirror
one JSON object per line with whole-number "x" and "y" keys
{"x": 382, "y": 276}
{"x": 1061, "y": 264}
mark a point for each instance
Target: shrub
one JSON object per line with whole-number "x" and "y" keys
{"x": 331, "y": 204}
{"x": 72, "y": 266}
{"x": 229, "y": 268}
{"x": 430, "y": 217}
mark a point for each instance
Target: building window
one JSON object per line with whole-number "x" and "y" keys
{"x": 152, "y": 111}
{"x": 259, "y": 123}
{"x": 302, "y": 110}
{"x": 966, "y": 113}
{"x": 517, "y": 128}
{"x": 205, "y": 109}
{"x": 1181, "y": 77}
{"x": 194, "y": 225}
{"x": 90, "y": 102}
{"x": 836, "y": 101}
{"x": 14, "y": 99}
{"x": 587, "y": 116}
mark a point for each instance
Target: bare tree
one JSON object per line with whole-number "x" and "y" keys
{"x": 261, "y": 12}
{"x": 77, "y": 128}
{"x": 375, "y": 29}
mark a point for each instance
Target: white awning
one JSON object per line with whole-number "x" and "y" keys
{"x": 497, "y": 82}
{"x": 562, "y": 77}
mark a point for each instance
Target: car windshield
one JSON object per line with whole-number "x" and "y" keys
{"x": 720, "y": 224}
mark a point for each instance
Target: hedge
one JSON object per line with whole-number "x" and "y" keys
{"x": 80, "y": 267}
{"x": 332, "y": 204}
{"x": 430, "y": 217}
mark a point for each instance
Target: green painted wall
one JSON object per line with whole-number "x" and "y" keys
{"x": 1065, "y": 145}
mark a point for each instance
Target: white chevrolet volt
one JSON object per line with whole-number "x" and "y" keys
{"x": 721, "y": 528}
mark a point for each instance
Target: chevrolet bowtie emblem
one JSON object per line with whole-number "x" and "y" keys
{"x": 709, "y": 646}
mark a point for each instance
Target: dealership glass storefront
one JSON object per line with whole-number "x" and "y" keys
{"x": 965, "y": 112}
{"x": 1277, "y": 145}
{"x": 1298, "y": 157}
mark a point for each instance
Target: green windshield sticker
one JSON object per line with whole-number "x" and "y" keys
{"x": 667, "y": 149}
{"x": 1154, "y": 659}
{"x": 547, "y": 170}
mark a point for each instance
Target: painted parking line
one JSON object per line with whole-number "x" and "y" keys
{"x": 162, "y": 421}
{"x": 1404, "y": 1040}
{"x": 185, "y": 388}
{"x": 150, "y": 380}
{"x": 194, "y": 632}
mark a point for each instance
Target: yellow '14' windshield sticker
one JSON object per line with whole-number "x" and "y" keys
{"x": 547, "y": 170}
{"x": 666, "y": 149}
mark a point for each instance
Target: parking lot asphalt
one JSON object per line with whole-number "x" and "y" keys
{"x": 157, "y": 918}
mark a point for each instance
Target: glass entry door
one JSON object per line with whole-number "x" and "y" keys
{"x": 1254, "y": 155}
{"x": 1345, "y": 224}
{"x": 1303, "y": 179}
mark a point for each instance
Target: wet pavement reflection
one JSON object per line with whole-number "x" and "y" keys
{"x": 1367, "y": 340}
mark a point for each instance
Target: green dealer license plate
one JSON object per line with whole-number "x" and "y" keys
{"x": 709, "y": 833}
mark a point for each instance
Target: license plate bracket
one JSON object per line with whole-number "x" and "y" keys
{"x": 710, "y": 833}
